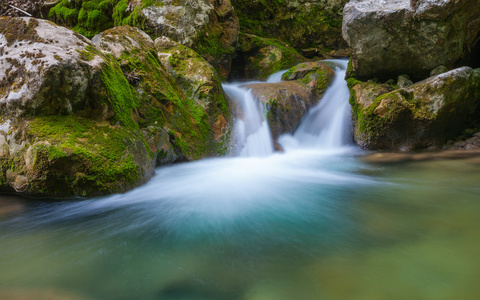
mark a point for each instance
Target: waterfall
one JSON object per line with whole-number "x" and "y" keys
{"x": 326, "y": 126}
{"x": 252, "y": 133}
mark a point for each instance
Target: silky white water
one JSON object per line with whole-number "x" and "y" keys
{"x": 310, "y": 223}
{"x": 252, "y": 134}
{"x": 326, "y": 126}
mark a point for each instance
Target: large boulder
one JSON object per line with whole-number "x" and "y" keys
{"x": 201, "y": 84}
{"x": 66, "y": 115}
{"x": 259, "y": 57}
{"x": 287, "y": 101}
{"x": 390, "y": 38}
{"x": 210, "y": 27}
{"x": 422, "y": 115}
{"x": 301, "y": 23}
{"x": 179, "y": 93}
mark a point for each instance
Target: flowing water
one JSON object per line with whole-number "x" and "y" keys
{"x": 321, "y": 221}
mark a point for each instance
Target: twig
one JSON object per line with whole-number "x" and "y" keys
{"x": 20, "y": 10}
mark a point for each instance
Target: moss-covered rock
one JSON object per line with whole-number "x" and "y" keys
{"x": 201, "y": 84}
{"x": 179, "y": 93}
{"x": 303, "y": 24}
{"x": 259, "y": 57}
{"x": 288, "y": 101}
{"x": 317, "y": 75}
{"x": 68, "y": 115}
{"x": 210, "y": 27}
{"x": 424, "y": 114}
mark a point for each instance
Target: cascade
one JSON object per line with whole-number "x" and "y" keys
{"x": 252, "y": 134}
{"x": 326, "y": 126}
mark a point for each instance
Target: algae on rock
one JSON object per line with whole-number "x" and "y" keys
{"x": 425, "y": 114}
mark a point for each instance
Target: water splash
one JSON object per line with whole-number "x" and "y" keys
{"x": 276, "y": 77}
{"x": 252, "y": 133}
{"x": 327, "y": 126}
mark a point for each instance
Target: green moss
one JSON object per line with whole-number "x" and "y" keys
{"x": 90, "y": 17}
{"x": 262, "y": 56}
{"x": 119, "y": 94}
{"x": 300, "y": 25}
{"x": 88, "y": 53}
{"x": 82, "y": 156}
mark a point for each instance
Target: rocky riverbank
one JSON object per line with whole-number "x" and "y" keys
{"x": 91, "y": 104}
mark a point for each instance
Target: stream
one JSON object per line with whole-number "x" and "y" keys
{"x": 322, "y": 220}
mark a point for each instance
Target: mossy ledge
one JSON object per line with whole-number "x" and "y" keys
{"x": 71, "y": 155}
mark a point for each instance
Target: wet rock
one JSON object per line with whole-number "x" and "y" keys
{"x": 258, "y": 58}
{"x": 317, "y": 75}
{"x": 287, "y": 101}
{"x": 422, "y": 115}
{"x": 389, "y": 38}
{"x": 10, "y": 205}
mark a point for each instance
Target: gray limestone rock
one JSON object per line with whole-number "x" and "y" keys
{"x": 389, "y": 38}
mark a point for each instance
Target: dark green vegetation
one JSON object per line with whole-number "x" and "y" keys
{"x": 89, "y": 17}
{"x": 259, "y": 57}
{"x": 303, "y": 25}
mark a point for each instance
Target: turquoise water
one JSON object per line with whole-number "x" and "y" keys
{"x": 301, "y": 225}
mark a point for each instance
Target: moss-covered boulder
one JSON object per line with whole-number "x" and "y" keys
{"x": 67, "y": 115}
{"x": 317, "y": 75}
{"x": 303, "y": 24}
{"x": 259, "y": 57}
{"x": 179, "y": 94}
{"x": 425, "y": 114}
{"x": 201, "y": 84}
{"x": 288, "y": 101}
{"x": 390, "y": 38}
{"x": 208, "y": 26}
